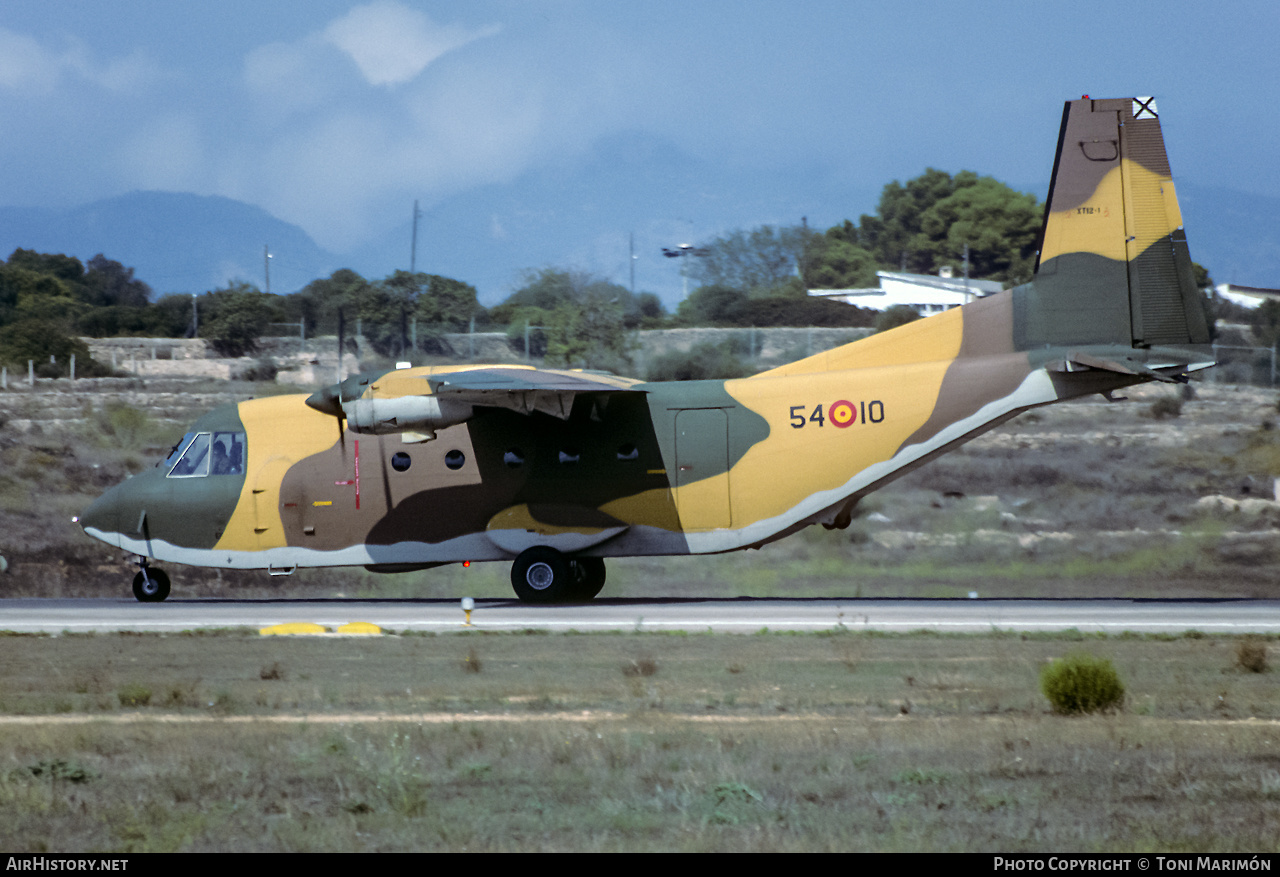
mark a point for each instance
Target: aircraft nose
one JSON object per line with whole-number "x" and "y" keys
{"x": 105, "y": 517}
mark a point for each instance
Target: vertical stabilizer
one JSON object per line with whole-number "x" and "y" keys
{"x": 1114, "y": 266}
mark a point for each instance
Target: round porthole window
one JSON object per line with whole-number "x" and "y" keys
{"x": 400, "y": 461}
{"x": 454, "y": 459}
{"x": 514, "y": 458}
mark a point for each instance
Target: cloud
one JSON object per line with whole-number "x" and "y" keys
{"x": 392, "y": 44}
{"x": 164, "y": 153}
{"x": 25, "y": 64}
{"x": 30, "y": 68}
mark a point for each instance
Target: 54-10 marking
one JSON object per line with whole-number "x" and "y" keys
{"x": 840, "y": 413}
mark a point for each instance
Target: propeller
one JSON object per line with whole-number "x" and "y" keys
{"x": 329, "y": 401}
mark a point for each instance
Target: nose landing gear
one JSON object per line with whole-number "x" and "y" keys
{"x": 150, "y": 585}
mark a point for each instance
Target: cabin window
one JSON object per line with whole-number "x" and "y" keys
{"x": 455, "y": 459}
{"x": 514, "y": 458}
{"x": 400, "y": 461}
{"x": 570, "y": 455}
{"x": 628, "y": 452}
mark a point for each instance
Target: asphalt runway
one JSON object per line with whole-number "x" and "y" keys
{"x": 693, "y": 615}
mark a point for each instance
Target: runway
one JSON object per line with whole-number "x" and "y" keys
{"x": 743, "y": 616}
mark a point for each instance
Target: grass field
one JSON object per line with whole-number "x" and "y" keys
{"x": 650, "y": 742}
{"x": 524, "y": 742}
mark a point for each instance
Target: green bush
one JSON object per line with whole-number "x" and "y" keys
{"x": 134, "y": 695}
{"x": 119, "y": 424}
{"x": 704, "y": 362}
{"x": 898, "y": 315}
{"x": 1166, "y": 406}
{"x": 1081, "y": 683}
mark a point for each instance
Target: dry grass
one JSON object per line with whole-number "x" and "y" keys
{"x": 768, "y": 742}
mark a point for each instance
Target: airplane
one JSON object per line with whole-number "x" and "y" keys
{"x": 555, "y": 470}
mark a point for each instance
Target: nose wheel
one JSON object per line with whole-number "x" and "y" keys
{"x": 151, "y": 585}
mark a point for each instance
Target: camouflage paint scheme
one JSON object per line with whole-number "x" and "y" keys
{"x": 504, "y": 458}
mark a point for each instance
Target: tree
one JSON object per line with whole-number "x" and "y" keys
{"x": 38, "y": 340}
{"x": 104, "y": 300}
{"x": 755, "y": 261}
{"x": 833, "y": 262}
{"x": 26, "y": 293}
{"x": 235, "y": 317}
{"x": 925, "y": 223}
{"x": 445, "y": 304}
{"x": 109, "y": 283}
{"x": 318, "y": 303}
{"x": 583, "y": 317}
{"x": 1265, "y": 321}
{"x": 1000, "y": 226}
{"x": 65, "y": 268}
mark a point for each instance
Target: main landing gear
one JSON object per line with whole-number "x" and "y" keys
{"x": 544, "y": 575}
{"x": 150, "y": 585}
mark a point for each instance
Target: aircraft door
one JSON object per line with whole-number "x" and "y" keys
{"x": 702, "y": 468}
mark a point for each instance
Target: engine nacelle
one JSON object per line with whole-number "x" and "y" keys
{"x": 422, "y": 414}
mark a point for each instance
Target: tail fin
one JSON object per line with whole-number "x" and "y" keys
{"x": 1114, "y": 266}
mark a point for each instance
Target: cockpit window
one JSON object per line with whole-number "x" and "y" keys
{"x": 194, "y": 462}
{"x": 176, "y": 451}
{"x": 228, "y": 453}
{"x": 200, "y": 454}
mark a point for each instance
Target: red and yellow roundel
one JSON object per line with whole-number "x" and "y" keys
{"x": 842, "y": 413}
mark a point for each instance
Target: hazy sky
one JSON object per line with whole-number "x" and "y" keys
{"x": 335, "y": 115}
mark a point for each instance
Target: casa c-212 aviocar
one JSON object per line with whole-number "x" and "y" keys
{"x": 556, "y": 470}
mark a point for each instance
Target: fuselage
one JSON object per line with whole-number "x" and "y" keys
{"x": 667, "y": 468}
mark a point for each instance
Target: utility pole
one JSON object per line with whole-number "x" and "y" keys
{"x": 266, "y": 265}
{"x": 413, "y": 248}
{"x": 633, "y": 263}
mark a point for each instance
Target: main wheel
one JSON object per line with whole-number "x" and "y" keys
{"x": 542, "y": 575}
{"x": 151, "y": 585}
{"x": 588, "y": 576}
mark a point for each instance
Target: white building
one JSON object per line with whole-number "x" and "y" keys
{"x": 1246, "y": 296}
{"x": 924, "y": 292}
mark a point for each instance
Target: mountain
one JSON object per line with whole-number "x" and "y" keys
{"x": 177, "y": 242}
{"x": 580, "y": 213}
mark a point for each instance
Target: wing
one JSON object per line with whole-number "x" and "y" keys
{"x": 526, "y": 390}
{"x": 422, "y": 400}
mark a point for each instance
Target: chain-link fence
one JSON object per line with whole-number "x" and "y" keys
{"x": 1238, "y": 364}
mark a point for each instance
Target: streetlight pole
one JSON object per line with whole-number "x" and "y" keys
{"x": 684, "y": 251}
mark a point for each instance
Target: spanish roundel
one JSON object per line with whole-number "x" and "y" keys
{"x": 842, "y": 413}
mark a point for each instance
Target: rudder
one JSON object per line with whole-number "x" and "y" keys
{"x": 1114, "y": 267}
